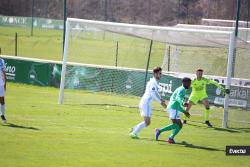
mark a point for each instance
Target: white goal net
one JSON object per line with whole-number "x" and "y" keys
{"x": 115, "y": 59}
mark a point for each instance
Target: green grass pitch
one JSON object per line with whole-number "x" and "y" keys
{"x": 42, "y": 133}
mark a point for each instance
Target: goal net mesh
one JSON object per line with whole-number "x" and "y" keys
{"x": 107, "y": 62}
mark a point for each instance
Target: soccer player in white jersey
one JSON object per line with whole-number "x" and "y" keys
{"x": 151, "y": 93}
{"x": 2, "y": 89}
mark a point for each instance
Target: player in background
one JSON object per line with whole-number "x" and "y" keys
{"x": 175, "y": 106}
{"x": 151, "y": 93}
{"x": 199, "y": 93}
{"x": 2, "y": 89}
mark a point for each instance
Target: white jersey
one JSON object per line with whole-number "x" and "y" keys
{"x": 151, "y": 93}
{"x": 2, "y": 70}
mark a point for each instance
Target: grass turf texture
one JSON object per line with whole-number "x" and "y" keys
{"x": 133, "y": 52}
{"x": 42, "y": 133}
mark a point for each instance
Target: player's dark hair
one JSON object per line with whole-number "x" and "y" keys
{"x": 201, "y": 70}
{"x": 157, "y": 69}
{"x": 186, "y": 80}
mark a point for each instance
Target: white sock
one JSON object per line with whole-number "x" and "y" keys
{"x": 138, "y": 128}
{"x": 3, "y": 109}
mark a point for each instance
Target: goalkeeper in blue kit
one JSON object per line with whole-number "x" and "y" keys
{"x": 175, "y": 106}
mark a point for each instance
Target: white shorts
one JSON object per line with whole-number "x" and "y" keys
{"x": 145, "y": 110}
{"x": 2, "y": 91}
{"x": 173, "y": 114}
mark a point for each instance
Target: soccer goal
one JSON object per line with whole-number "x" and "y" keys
{"x": 212, "y": 59}
{"x": 109, "y": 63}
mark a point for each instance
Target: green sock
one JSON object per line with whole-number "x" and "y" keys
{"x": 206, "y": 114}
{"x": 169, "y": 127}
{"x": 175, "y": 131}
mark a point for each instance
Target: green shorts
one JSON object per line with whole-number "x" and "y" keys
{"x": 195, "y": 98}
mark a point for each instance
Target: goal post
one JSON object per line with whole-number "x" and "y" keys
{"x": 64, "y": 62}
{"x": 229, "y": 77}
{"x": 91, "y": 50}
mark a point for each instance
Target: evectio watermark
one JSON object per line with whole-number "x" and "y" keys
{"x": 238, "y": 150}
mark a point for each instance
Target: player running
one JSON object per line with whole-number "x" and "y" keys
{"x": 199, "y": 93}
{"x": 2, "y": 89}
{"x": 151, "y": 93}
{"x": 175, "y": 106}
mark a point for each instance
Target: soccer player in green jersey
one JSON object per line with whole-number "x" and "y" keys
{"x": 199, "y": 93}
{"x": 175, "y": 106}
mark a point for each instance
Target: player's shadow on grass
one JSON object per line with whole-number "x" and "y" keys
{"x": 247, "y": 130}
{"x": 196, "y": 125}
{"x": 227, "y": 130}
{"x": 217, "y": 128}
{"x": 185, "y": 144}
{"x": 11, "y": 125}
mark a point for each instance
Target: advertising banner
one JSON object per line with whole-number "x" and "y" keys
{"x": 27, "y": 21}
{"x": 28, "y": 72}
{"x": 113, "y": 80}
